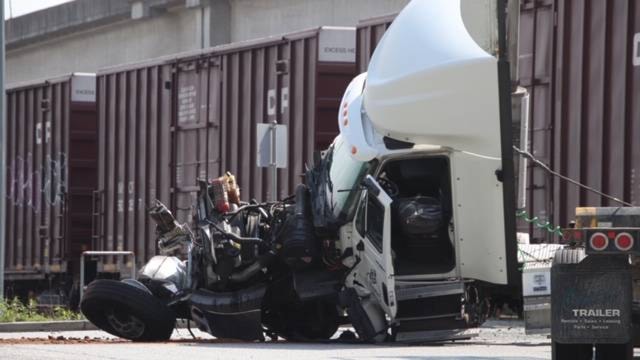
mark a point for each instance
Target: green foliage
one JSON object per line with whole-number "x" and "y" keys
{"x": 16, "y": 310}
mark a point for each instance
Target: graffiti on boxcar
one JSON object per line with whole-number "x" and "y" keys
{"x": 34, "y": 187}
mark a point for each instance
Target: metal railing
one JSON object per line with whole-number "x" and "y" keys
{"x": 104, "y": 253}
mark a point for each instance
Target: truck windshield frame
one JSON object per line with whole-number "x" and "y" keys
{"x": 345, "y": 176}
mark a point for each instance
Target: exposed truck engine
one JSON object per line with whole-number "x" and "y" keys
{"x": 402, "y": 228}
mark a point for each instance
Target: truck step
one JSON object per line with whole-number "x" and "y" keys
{"x": 435, "y": 335}
{"x": 406, "y": 291}
{"x": 429, "y": 317}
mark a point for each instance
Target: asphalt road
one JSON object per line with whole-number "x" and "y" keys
{"x": 496, "y": 340}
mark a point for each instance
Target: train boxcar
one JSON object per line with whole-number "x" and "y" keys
{"x": 164, "y": 123}
{"x": 580, "y": 62}
{"x": 51, "y": 173}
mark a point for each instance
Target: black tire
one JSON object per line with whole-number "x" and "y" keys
{"x": 126, "y": 311}
{"x": 571, "y": 351}
{"x": 614, "y": 351}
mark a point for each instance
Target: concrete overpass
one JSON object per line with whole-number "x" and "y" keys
{"x": 85, "y": 35}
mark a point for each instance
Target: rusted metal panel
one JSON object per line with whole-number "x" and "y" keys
{"x": 135, "y": 158}
{"x": 196, "y": 137}
{"x": 577, "y": 60}
{"x": 368, "y": 35}
{"x": 165, "y": 123}
{"x": 330, "y": 84}
{"x": 535, "y": 65}
{"x": 51, "y": 156}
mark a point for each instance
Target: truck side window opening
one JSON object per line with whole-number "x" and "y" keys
{"x": 375, "y": 221}
{"x": 420, "y": 214}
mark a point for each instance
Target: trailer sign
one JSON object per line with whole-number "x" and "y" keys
{"x": 593, "y": 319}
{"x": 596, "y": 312}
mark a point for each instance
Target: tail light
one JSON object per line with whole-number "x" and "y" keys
{"x": 599, "y": 241}
{"x": 624, "y": 241}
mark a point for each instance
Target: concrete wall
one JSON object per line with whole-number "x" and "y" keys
{"x": 86, "y": 35}
{"x": 121, "y": 42}
{"x": 255, "y": 18}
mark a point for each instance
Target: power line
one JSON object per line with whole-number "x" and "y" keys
{"x": 544, "y": 166}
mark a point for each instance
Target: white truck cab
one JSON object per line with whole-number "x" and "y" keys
{"x": 416, "y": 178}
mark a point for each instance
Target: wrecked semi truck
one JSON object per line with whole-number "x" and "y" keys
{"x": 403, "y": 227}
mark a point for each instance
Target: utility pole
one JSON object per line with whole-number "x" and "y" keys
{"x": 3, "y": 154}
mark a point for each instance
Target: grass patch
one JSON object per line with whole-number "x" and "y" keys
{"x": 15, "y": 310}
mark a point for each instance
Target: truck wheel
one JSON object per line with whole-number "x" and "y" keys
{"x": 306, "y": 321}
{"x": 569, "y": 256}
{"x": 614, "y": 351}
{"x": 571, "y": 351}
{"x": 127, "y": 311}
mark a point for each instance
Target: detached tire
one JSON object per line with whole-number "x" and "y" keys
{"x": 126, "y": 311}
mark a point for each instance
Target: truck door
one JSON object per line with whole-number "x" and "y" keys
{"x": 372, "y": 234}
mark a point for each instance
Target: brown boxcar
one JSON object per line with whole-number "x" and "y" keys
{"x": 368, "y": 35}
{"x": 165, "y": 123}
{"x": 51, "y": 173}
{"x": 135, "y": 155}
{"x": 580, "y": 62}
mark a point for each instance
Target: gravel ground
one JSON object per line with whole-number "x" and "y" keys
{"x": 496, "y": 340}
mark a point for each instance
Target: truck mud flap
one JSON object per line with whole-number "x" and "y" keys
{"x": 591, "y": 300}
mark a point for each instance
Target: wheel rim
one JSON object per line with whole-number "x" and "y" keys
{"x": 125, "y": 323}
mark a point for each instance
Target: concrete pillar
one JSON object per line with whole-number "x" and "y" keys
{"x": 218, "y": 22}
